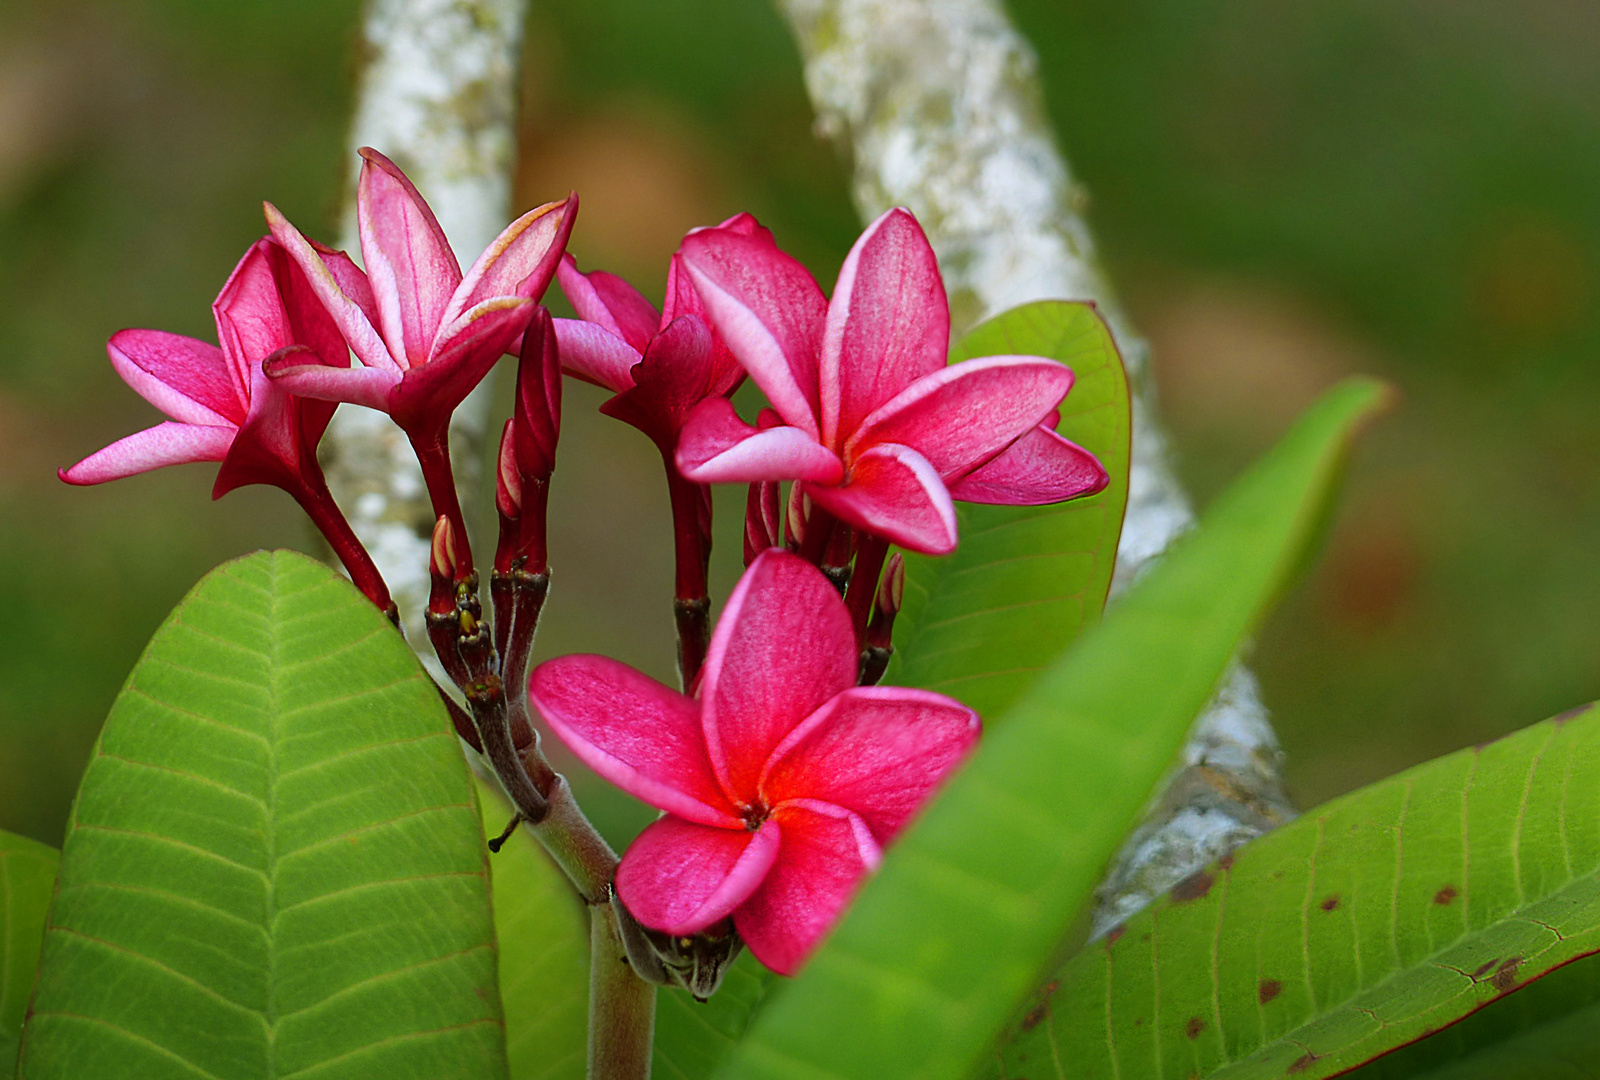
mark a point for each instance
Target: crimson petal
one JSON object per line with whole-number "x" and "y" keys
{"x": 1038, "y": 469}
{"x": 893, "y": 492}
{"x": 679, "y": 877}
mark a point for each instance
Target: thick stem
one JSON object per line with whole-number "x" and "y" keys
{"x": 691, "y": 607}
{"x": 318, "y": 504}
{"x": 574, "y": 844}
{"x": 818, "y": 531}
{"x": 622, "y": 1006}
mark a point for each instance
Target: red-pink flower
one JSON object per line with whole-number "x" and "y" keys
{"x": 223, "y": 408}
{"x": 781, "y": 783}
{"x": 880, "y": 431}
{"x": 660, "y": 365}
{"x": 425, "y": 333}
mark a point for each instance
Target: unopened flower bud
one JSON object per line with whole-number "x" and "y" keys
{"x": 536, "y": 423}
{"x": 795, "y": 515}
{"x": 442, "y": 568}
{"x": 760, "y": 519}
{"x": 886, "y": 605}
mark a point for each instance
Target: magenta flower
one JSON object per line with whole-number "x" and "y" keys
{"x": 660, "y": 365}
{"x": 425, "y": 334}
{"x": 223, "y": 407}
{"x": 781, "y": 784}
{"x": 881, "y": 433}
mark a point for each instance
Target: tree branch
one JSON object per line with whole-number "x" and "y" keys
{"x": 437, "y": 93}
{"x": 938, "y": 104}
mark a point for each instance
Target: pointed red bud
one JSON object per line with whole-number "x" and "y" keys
{"x": 795, "y": 515}
{"x": 537, "y": 421}
{"x": 886, "y": 605}
{"x": 507, "y": 500}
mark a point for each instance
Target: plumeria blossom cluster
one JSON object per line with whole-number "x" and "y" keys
{"x": 781, "y": 768}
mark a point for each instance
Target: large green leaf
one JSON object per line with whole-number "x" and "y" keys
{"x": 27, "y": 878}
{"x": 945, "y": 941}
{"x": 982, "y": 623}
{"x": 274, "y": 866}
{"x": 1363, "y": 926}
{"x": 544, "y": 953}
{"x": 693, "y": 1038}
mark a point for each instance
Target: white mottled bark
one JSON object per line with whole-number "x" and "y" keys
{"x": 437, "y": 93}
{"x": 938, "y": 103}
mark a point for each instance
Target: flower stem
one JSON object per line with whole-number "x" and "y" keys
{"x": 818, "y": 531}
{"x": 622, "y": 1006}
{"x": 434, "y": 457}
{"x": 691, "y": 605}
{"x": 317, "y": 502}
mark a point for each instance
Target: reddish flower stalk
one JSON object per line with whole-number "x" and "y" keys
{"x": 863, "y": 590}
{"x": 223, "y": 407}
{"x": 880, "y": 630}
{"x": 877, "y": 430}
{"x": 660, "y": 366}
{"x": 782, "y": 782}
{"x": 761, "y": 522}
{"x": 425, "y": 334}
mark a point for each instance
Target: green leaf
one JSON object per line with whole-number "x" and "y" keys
{"x": 982, "y": 623}
{"x": 274, "y": 866}
{"x": 544, "y": 953}
{"x": 946, "y": 940}
{"x": 1361, "y": 927}
{"x": 27, "y": 878}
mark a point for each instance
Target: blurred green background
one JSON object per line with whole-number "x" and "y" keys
{"x": 1285, "y": 194}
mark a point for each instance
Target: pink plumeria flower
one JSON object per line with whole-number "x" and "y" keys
{"x": 223, "y": 407}
{"x": 881, "y": 433}
{"x": 782, "y": 782}
{"x": 660, "y": 365}
{"x": 425, "y": 333}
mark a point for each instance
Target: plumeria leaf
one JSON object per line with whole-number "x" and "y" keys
{"x": 274, "y": 866}
{"x": 946, "y": 940}
{"x": 982, "y": 623}
{"x": 27, "y": 878}
{"x": 1365, "y": 925}
{"x": 544, "y": 953}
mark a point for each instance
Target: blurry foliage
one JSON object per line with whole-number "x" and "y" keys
{"x": 1285, "y": 194}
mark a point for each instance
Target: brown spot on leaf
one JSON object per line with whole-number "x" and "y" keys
{"x": 1036, "y": 1014}
{"x": 1269, "y": 989}
{"x": 1194, "y": 1027}
{"x": 1302, "y": 1063}
{"x": 1572, "y": 714}
{"x": 1330, "y": 902}
{"x": 1445, "y": 895}
{"x": 1505, "y": 976}
{"x": 1484, "y": 969}
{"x": 1226, "y": 862}
{"x": 1192, "y": 887}
{"x": 1116, "y": 932}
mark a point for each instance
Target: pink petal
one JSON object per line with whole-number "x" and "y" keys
{"x": 277, "y": 442}
{"x": 892, "y": 491}
{"x": 1038, "y": 469}
{"x": 350, "y": 278}
{"x": 672, "y": 377}
{"x": 783, "y": 646}
{"x": 679, "y": 878}
{"x": 769, "y": 311}
{"x": 268, "y": 305}
{"x": 642, "y": 736}
{"x": 888, "y": 323}
{"x": 606, "y": 300}
{"x": 465, "y": 353}
{"x": 963, "y": 415}
{"x": 359, "y": 385}
{"x": 409, "y": 262}
{"x": 348, "y": 311}
{"x": 165, "y": 444}
{"x": 827, "y": 852}
{"x": 716, "y": 447}
{"x": 189, "y": 380}
{"x": 520, "y": 261}
{"x": 596, "y": 355}
{"x": 878, "y": 751}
